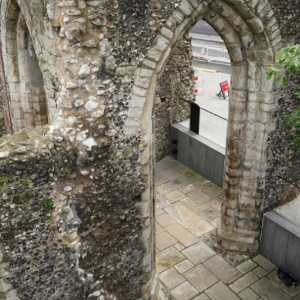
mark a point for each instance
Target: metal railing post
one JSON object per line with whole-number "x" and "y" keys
{"x": 195, "y": 117}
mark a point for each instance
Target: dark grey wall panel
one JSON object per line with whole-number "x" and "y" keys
{"x": 280, "y": 238}
{"x": 199, "y": 154}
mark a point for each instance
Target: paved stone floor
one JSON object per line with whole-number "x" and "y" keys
{"x": 188, "y": 207}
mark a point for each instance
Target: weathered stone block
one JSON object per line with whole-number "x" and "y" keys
{"x": 186, "y": 8}
{"x": 142, "y": 82}
{"x": 167, "y": 33}
{"x": 161, "y": 43}
{"x": 154, "y": 54}
{"x": 177, "y": 16}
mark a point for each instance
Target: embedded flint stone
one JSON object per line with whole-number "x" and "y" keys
{"x": 91, "y": 105}
{"x": 21, "y": 150}
{"x": 4, "y": 154}
{"x": 71, "y": 86}
{"x": 89, "y": 143}
{"x": 90, "y": 44}
{"x": 84, "y": 71}
{"x": 110, "y": 64}
{"x": 75, "y": 34}
{"x": 104, "y": 48}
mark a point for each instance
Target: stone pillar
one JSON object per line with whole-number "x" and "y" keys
{"x": 5, "y": 126}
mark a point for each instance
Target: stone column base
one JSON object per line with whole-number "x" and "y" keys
{"x": 231, "y": 241}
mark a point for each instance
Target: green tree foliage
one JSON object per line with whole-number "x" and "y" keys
{"x": 287, "y": 63}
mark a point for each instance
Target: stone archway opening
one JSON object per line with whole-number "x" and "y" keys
{"x": 27, "y": 97}
{"x": 188, "y": 204}
{"x": 251, "y": 35}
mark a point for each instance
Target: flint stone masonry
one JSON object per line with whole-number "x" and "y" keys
{"x": 77, "y": 196}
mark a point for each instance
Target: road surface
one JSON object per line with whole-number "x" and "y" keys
{"x": 202, "y": 27}
{"x": 219, "y": 67}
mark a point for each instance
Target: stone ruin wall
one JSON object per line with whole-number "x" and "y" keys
{"x": 99, "y": 229}
{"x": 283, "y": 173}
{"x": 98, "y": 239}
{"x": 174, "y": 93}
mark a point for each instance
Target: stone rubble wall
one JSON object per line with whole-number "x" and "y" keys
{"x": 97, "y": 241}
{"x": 99, "y": 229}
{"x": 283, "y": 173}
{"x": 174, "y": 93}
{"x": 38, "y": 243}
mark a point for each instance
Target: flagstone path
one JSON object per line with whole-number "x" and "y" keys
{"x": 187, "y": 209}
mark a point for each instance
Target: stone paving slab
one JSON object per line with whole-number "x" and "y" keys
{"x": 200, "y": 208}
{"x": 164, "y": 240}
{"x": 171, "y": 278}
{"x": 264, "y": 263}
{"x": 160, "y": 179}
{"x": 181, "y": 168}
{"x": 198, "y": 253}
{"x": 189, "y": 203}
{"x": 268, "y": 291}
{"x": 182, "y": 235}
{"x": 187, "y": 189}
{"x": 158, "y": 229}
{"x": 165, "y": 220}
{"x": 214, "y": 222}
{"x": 198, "y": 196}
{"x": 182, "y": 214}
{"x": 243, "y": 282}
{"x": 171, "y": 174}
{"x": 192, "y": 175}
{"x": 185, "y": 291}
{"x": 209, "y": 214}
{"x": 202, "y": 183}
{"x": 201, "y": 227}
{"x": 221, "y": 292}
{"x": 162, "y": 189}
{"x": 166, "y": 163}
{"x": 168, "y": 258}
{"x": 175, "y": 196}
{"x": 260, "y": 272}
{"x": 179, "y": 246}
{"x": 159, "y": 212}
{"x": 202, "y": 297}
{"x": 246, "y": 266}
{"x": 222, "y": 269}
{"x": 215, "y": 203}
{"x": 184, "y": 266}
{"x": 248, "y": 294}
{"x": 213, "y": 191}
{"x": 200, "y": 277}
{"x": 161, "y": 202}
{"x": 177, "y": 182}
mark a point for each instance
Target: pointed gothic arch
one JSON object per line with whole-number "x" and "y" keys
{"x": 27, "y": 96}
{"x": 251, "y": 35}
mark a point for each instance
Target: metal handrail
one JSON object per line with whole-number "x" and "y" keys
{"x": 195, "y": 116}
{"x": 212, "y": 113}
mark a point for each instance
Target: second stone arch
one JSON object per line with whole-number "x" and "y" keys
{"x": 250, "y": 33}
